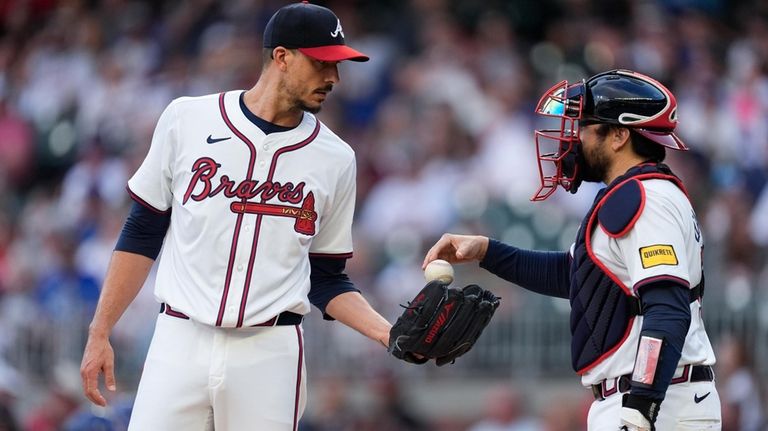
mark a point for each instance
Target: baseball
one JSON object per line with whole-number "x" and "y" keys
{"x": 439, "y": 270}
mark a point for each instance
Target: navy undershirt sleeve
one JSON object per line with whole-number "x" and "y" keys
{"x": 144, "y": 231}
{"x": 666, "y": 313}
{"x": 327, "y": 281}
{"x": 544, "y": 272}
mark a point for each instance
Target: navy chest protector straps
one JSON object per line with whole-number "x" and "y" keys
{"x": 602, "y": 308}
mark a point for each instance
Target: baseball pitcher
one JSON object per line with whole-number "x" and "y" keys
{"x": 251, "y": 198}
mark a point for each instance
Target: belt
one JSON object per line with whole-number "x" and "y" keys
{"x": 286, "y": 318}
{"x": 691, "y": 373}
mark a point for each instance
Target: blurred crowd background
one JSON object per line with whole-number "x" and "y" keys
{"x": 442, "y": 122}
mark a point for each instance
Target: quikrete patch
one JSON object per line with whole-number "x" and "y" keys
{"x": 660, "y": 254}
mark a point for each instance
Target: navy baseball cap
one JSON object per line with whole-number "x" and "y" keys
{"x": 314, "y": 30}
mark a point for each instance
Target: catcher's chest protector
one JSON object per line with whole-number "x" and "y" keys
{"x": 602, "y": 310}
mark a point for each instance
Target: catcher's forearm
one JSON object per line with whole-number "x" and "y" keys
{"x": 544, "y": 272}
{"x": 667, "y": 316}
{"x": 353, "y": 310}
{"x": 125, "y": 277}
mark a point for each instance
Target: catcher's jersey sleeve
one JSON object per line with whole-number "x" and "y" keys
{"x": 665, "y": 241}
{"x": 334, "y": 236}
{"x": 152, "y": 181}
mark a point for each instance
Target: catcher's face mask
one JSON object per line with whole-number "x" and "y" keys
{"x": 619, "y": 97}
{"x": 559, "y": 149}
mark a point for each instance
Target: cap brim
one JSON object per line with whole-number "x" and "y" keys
{"x": 669, "y": 140}
{"x": 334, "y": 53}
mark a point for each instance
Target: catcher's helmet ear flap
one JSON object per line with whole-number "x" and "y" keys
{"x": 621, "y": 97}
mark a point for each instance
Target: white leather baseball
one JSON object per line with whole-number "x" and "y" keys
{"x": 439, "y": 270}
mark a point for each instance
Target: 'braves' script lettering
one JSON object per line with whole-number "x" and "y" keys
{"x": 203, "y": 185}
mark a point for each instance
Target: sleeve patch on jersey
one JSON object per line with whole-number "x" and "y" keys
{"x": 621, "y": 208}
{"x": 648, "y": 355}
{"x": 659, "y": 254}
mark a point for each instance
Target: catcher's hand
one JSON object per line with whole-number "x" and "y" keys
{"x": 638, "y": 413}
{"x": 441, "y": 323}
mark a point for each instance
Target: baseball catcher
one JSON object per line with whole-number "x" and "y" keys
{"x": 634, "y": 274}
{"x": 441, "y": 323}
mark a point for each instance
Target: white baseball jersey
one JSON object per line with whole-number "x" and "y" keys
{"x": 665, "y": 243}
{"x": 246, "y": 209}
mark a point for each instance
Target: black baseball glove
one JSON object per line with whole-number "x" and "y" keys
{"x": 441, "y": 323}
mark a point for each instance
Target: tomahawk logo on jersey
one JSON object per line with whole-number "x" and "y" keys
{"x": 205, "y": 171}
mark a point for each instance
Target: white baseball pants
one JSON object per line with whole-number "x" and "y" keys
{"x": 199, "y": 378}
{"x": 679, "y": 411}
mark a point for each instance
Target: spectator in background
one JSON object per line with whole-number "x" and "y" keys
{"x": 7, "y": 419}
{"x": 16, "y": 146}
{"x": 391, "y": 411}
{"x": 62, "y": 399}
{"x": 65, "y": 293}
{"x": 114, "y": 418}
{"x": 10, "y": 386}
{"x": 565, "y": 413}
{"x": 333, "y": 411}
{"x": 506, "y": 411}
{"x": 56, "y": 407}
{"x": 741, "y": 398}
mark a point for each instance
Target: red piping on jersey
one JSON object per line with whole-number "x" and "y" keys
{"x": 230, "y": 264}
{"x": 257, "y": 228}
{"x": 171, "y": 312}
{"x": 610, "y": 274}
{"x": 591, "y": 252}
{"x": 672, "y": 178}
{"x": 298, "y": 380}
{"x": 144, "y": 203}
{"x": 239, "y": 221}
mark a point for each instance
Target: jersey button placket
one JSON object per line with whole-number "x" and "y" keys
{"x": 265, "y": 150}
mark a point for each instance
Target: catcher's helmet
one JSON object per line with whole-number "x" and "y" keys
{"x": 621, "y": 97}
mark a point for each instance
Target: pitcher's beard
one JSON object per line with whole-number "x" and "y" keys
{"x": 300, "y": 103}
{"x": 311, "y": 109}
{"x": 297, "y": 102}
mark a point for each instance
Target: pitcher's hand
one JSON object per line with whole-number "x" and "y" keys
{"x": 457, "y": 249}
{"x": 98, "y": 358}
